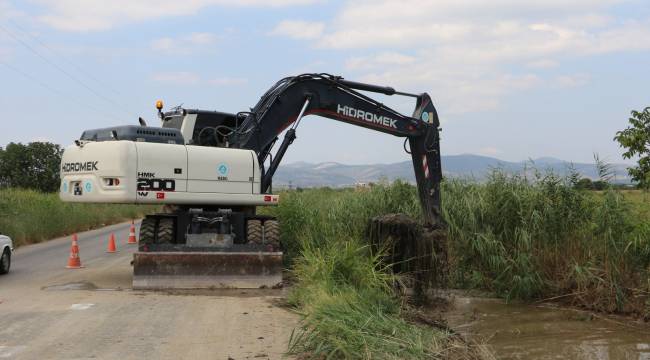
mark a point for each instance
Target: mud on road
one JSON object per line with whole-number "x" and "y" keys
{"x": 50, "y": 312}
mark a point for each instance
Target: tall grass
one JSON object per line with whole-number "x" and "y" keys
{"x": 523, "y": 237}
{"x": 349, "y": 310}
{"x": 541, "y": 238}
{"x": 318, "y": 216}
{"x": 29, "y": 216}
{"x": 342, "y": 288}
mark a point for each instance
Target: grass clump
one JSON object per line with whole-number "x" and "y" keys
{"x": 29, "y": 216}
{"x": 350, "y": 311}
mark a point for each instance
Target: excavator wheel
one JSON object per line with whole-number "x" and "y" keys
{"x": 147, "y": 233}
{"x": 254, "y": 231}
{"x": 272, "y": 233}
{"x": 165, "y": 231}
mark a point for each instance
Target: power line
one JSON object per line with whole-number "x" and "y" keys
{"x": 72, "y": 77}
{"x": 56, "y": 91}
{"x": 66, "y": 59}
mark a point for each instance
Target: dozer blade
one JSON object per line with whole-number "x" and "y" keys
{"x": 206, "y": 270}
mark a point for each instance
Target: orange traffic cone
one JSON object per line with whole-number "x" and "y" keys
{"x": 111, "y": 244}
{"x": 74, "y": 262}
{"x": 132, "y": 239}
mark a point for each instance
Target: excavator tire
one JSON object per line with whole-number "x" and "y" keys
{"x": 165, "y": 231}
{"x": 272, "y": 233}
{"x": 147, "y": 233}
{"x": 254, "y": 231}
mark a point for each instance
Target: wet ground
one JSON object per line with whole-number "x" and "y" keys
{"x": 520, "y": 331}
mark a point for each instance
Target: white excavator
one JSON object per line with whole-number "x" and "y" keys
{"x": 210, "y": 170}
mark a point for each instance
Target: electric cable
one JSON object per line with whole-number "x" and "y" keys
{"x": 60, "y": 69}
{"x": 57, "y": 92}
{"x": 66, "y": 59}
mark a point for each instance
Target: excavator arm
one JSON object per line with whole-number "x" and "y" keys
{"x": 283, "y": 106}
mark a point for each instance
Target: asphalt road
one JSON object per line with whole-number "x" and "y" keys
{"x": 50, "y": 312}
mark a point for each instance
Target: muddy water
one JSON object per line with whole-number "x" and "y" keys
{"x": 514, "y": 331}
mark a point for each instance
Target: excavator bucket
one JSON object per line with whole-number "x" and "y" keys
{"x": 206, "y": 270}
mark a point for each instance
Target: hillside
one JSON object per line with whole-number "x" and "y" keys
{"x": 302, "y": 174}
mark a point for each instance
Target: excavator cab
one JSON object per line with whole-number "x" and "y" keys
{"x": 201, "y": 127}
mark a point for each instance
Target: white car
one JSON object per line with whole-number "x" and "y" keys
{"x": 6, "y": 246}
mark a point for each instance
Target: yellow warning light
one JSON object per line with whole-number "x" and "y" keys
{"x": 159, "y": 104}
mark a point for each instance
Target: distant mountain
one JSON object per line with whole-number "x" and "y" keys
{"x": 303, "y": 174}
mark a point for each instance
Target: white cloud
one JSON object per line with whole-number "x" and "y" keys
{"x": 6, "y": 49}
{"x": 470, "y": 54}
{"x": 7, "y": 11}
{"x": 184, "y": 44}
{"x": 227, "y": 81}
{"x": 589, "y": 20}
{"x": 299, "y": 29}
{"x": 379, "y": 60}
{"x": 201, "y": 38}
{"x": 405, "y": 35}
{"x": 163, "y": 44}
{"x": 178, "y": 78}
{"x": 95, "y": 15}
{"x": 316, "y": 66}
{"x": 4, "y": 53}
{"x": 190, "y": 78}
{"x": 543, "y": 64}
{"x": 570, "y": 81}
{"x": 424, "y": 21}
{"x": 379, "y": 10}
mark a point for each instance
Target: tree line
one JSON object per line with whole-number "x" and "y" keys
{"x": 32, "y": 166}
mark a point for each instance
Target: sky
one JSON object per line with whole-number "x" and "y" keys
{"x": 511, "y": 79}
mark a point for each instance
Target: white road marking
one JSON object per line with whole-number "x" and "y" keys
{"x": 81, "y": 306}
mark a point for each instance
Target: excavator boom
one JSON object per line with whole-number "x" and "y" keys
{"x": 333, "y": 97}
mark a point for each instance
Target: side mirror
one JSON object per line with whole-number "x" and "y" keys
{"x": 142, "y": 122}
